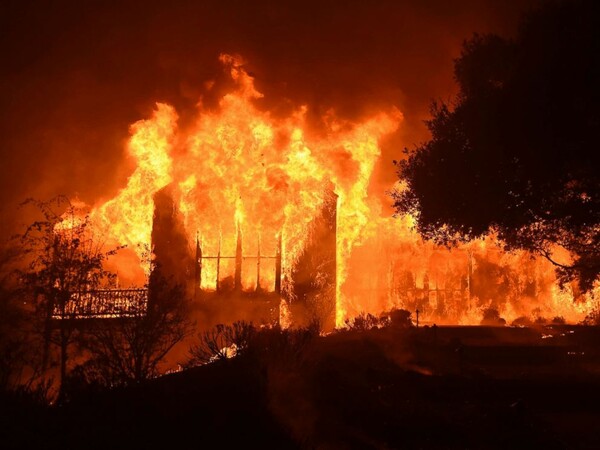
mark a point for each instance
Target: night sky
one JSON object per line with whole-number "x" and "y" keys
{"x": 75, "y": 75}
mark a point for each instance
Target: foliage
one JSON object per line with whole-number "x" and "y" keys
{"x": 221, "y": 342}
{"x": 63, "y": 259}
{"x": 522, "y": 321}
{"x": 265, "y": 347}
{"x": 401, "y": 318}
{"x": 515, "y": 153}
{"x": 364, "y": 322}
{"x": 64, "y": 256}
{"x": 130, "y": 349}
{"x": 491, "y": 317}
{"x": 19, "y": 356}
{"x": 396, "y": 317}
{"x": 283, "y": 348}
{"x": 593, "y": 318}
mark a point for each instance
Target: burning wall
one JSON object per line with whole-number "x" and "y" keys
{"x": 214, "y": 281}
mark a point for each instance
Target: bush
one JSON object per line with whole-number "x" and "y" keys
{"x": 401, "y": 318}
{"x": 522, "y": 321}
{"x": 363, "y": 322}
{"x": 491, "y": 317}
{"x": 221, "y": 342}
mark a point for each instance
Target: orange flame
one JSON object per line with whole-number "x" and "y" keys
{"x": 241, "y": 168}
{"x": 127, "y": 218}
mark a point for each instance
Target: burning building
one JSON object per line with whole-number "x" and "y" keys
{"x": 243, "y": 204}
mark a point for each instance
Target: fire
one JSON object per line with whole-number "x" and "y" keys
{"x": 127, "y": 218}
{"x": 242, "y": 171}
{"x": 242, "y": 166}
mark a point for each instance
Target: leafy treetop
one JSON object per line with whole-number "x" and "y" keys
{"x": 516, "y": 153}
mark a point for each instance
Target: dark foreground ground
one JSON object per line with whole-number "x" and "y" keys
{"x": 444, "y": 387}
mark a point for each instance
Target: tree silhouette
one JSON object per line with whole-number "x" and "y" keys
{"x": 516, "y": 153}
{"x": 16, "y": 352}
{"x": 129, "y": 350}
{"x": 64, "y": 261}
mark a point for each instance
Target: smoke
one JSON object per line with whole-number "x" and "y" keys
{"x": 76, "y": 74}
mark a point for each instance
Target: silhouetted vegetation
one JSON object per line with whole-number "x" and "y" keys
{"x": 46, "y": 273}
{"x": 64, "y": 260}
{"x": 522, "y": 321}
{"x": 265, "y": 346}
{"x": 221, "y": 342}
{"x": 397, "y": 318}
{"x": 364, "y": 322}
{"x": 515, "y": 153}
{"x": 491, "y": 317}
{"x": 380, "y": 382}
{"x": 401, "y": 318}
{"x": 20, "y": 355}
{"x": 128, "y": 350}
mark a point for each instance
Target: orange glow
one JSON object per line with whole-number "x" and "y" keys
{"x": 243, "y": 167}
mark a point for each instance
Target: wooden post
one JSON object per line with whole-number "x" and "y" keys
{"x": 278, "y": 267}
{"x": 238, "y": 260}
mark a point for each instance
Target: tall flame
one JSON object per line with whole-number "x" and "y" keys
{"x": 239, "y": 171}
{"x": 127, "y": 218}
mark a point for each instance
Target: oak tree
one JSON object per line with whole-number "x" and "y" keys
{"x": 516, "y": 152}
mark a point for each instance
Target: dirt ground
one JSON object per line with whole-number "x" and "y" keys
{"x": 390, "y": 388}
